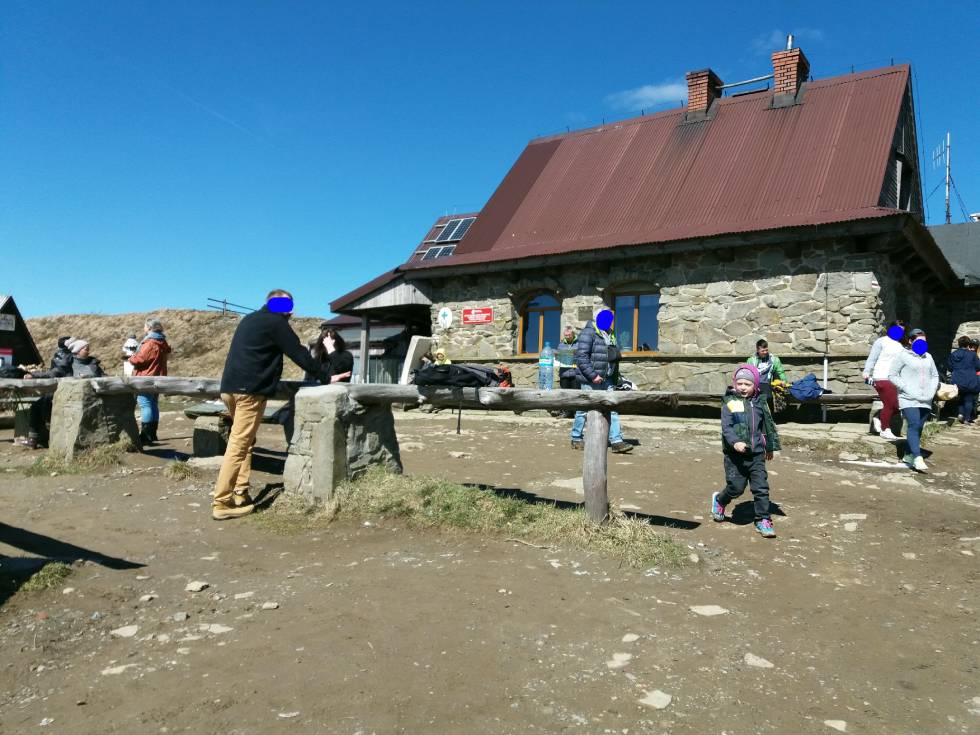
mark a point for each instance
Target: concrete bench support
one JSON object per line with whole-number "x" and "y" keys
{"x": 82, "y": 419}
{"x": 210, "y": 436}
{"x": 337, "y": 439}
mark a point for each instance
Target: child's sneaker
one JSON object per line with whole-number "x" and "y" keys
{"x": 765, "y": 528}
{"x": 717, "y": 509}
{"x": 919, "y": 464}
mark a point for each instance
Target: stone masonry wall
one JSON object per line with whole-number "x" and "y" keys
{"x": 708, "y": 375}
{"x": 337, "y": 439}
{"x": 802, "y": 298}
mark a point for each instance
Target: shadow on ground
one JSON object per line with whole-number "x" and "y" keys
{"x": 529, "y": 497}
{"x": 14, "y": 571}
{"x": 744, "y": 513}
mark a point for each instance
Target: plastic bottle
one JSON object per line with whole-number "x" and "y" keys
{"x": 546, "y": 368}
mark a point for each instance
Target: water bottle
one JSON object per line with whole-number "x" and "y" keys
{"x": 546, "y": 368}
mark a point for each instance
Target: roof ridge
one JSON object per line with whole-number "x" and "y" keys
{"x": 838, "y": 80}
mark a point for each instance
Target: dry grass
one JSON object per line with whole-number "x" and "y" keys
{"x": 200, "y": 339}
{"x": 50, "y": 575}
{"x": 91, "y": 460}
{"x": 177, "y": 470}
{"x": 932, "y": 429}
{"x": 429, "y": 503}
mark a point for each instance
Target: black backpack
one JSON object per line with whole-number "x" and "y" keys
{"x": 457, "y": 376}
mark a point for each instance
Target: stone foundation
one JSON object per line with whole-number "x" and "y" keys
{"x": 210, "y": 436}
{"x": 710, "y": 374}
{"x": 336, "y": 439}
{"x": 81, "y": 419}
{"x": 832, "y": 295}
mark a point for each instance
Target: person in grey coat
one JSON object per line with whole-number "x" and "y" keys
{"x": 913, "y": 372}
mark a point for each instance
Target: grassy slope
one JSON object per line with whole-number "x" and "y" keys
{"x": 200, "y": 339}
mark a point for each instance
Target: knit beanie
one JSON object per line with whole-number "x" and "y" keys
{"x": 77, "y": 346}
{"x": 747, "y": 372}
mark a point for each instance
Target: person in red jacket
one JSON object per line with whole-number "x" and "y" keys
{"x": 150, "y": 360}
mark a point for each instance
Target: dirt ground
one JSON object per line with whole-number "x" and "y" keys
{"x": 863, "y": 612}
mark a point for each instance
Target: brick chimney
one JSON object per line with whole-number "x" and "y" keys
{"x": 790, "y": 69}
{"x": 703, "y": 88}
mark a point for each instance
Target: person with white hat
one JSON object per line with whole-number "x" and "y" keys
{"x": 81, "y": 365}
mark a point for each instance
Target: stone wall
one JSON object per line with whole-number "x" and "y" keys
{"x": 337, "y": 439}
{"x": 962, "y": 316}
{"x": 709, "y": 374}
{"x": 81, "y": 419}
{"x": 803, "y": 298}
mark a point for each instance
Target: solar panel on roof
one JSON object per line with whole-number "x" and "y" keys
{"x": 447, "y": 232}
{"x": 462, "y": 228}
{"x": 447, "y": 250}
{"x": 431, "y": 253}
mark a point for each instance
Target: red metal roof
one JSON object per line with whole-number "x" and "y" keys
{"x": 657, "y": 179}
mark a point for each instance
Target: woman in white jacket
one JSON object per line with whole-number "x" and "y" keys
{"x": 875, "y": 372}
{"x": 913, "y": 373}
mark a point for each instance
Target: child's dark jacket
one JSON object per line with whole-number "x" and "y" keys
{"x": 747, "y": 420}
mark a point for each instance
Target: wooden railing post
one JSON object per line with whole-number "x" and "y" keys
{"x": 594, "y": 465}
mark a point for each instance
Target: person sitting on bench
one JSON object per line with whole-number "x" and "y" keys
{"x": 78, "y": 364}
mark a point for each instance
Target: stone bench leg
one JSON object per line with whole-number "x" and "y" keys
{"x": 81, "y": 419}
{"x": 337, "y": 439}
{"x": 210, "y": 436}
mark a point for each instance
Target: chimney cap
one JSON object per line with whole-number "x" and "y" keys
{"x": 706, "y": 71}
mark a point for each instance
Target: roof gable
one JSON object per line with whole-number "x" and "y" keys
{"x": 656, "y": 178}
{"x": 18, "y": 339}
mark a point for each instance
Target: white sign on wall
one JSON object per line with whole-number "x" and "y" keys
{"x": 8, "y": 322}
{"x": 445, "y": 317}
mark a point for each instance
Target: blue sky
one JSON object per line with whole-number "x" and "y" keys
{"x": 155, "y": 154}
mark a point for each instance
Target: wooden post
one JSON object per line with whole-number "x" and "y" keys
{"x": 594, "y": 465}
{"x": 365, "y": 347}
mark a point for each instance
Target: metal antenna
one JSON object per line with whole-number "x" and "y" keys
{"x": 941, "y": 154}
{"x": 948, "y": 220}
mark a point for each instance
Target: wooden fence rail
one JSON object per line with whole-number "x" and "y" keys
{"x": 598, "y": 404}
{"x": 496, "y": 399}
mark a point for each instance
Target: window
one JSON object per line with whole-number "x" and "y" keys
{"x": 636, "y": 321}
{"x": 540, "y": 322}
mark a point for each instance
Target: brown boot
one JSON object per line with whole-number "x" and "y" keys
{"x": 241, "y": 497}
{"x": 222, "y": 512}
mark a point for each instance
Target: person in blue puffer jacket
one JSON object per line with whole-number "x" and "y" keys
{"x": 597, "y": 368}
{"x": 963, "y": 365}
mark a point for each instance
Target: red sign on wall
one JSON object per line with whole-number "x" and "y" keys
{"x": 478, "y": 316}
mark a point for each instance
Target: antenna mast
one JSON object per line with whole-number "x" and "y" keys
{"x": 948, "y": 219}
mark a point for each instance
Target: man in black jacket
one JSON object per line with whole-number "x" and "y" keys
{"x": 41, "y": 408}
{"x": 252, "y": 372}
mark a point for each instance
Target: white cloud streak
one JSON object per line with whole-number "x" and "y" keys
{"x": 648, "y": 96}
{"x": 775, "y": 40}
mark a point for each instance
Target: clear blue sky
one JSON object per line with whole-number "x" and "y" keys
{"x": 154, "y": 154}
